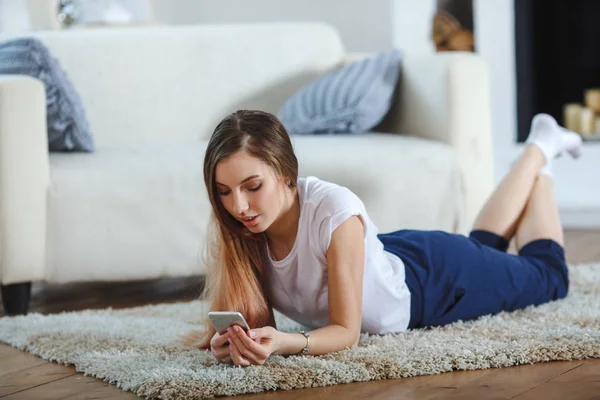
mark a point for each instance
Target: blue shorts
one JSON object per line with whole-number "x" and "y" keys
{"x": 452, "y": 277}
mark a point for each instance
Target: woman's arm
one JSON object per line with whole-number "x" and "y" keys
{"x": 345, "y": 259}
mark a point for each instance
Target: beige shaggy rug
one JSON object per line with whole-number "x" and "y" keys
{"x": 134, "y": 348}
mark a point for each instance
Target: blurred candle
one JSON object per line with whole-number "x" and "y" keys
{"x": 572, "y": 116}
{"x": 587, "y": 121}
{"x": 592, "y": 99}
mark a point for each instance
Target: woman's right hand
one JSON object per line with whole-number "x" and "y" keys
{"x": 219, "y": 347}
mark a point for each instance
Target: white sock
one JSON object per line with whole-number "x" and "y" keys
{"x": 552, "y": 139}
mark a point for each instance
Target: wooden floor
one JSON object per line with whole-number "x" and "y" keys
{"x": 23, "y": 376}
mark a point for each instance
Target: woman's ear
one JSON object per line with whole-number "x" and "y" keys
{"x": 286, "y": 180}
{"x": 289, "y": 183}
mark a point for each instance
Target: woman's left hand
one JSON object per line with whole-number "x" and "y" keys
{"x": 245, "y": 349}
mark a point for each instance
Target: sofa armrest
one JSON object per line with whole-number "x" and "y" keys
{"x": 446, "y": 97}
{"x": 24, "y": 179}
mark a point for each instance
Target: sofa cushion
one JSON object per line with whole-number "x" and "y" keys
{"x": 125, "y": 202}
{"x": 351, "y": 99}
{"x": 107, "y": 211}
{"x": 67, "y": 125}
{"x": 405, "y": 182}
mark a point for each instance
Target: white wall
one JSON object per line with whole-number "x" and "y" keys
{"x": 365, "y": 26}
{"x": 411, "y": 26}
{"x": 14, "y": 16}
{"x": 26, "y": 15}
{"x": 494, "y": 40}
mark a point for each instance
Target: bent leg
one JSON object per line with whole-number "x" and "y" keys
{"x": 540, "y": 219}
{"x": 496, "y": 282}
{"x": 502, "y": 212}
{"x": 455, "y": 278}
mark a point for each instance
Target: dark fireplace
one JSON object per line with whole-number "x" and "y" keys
{"x": 557, "y": 46}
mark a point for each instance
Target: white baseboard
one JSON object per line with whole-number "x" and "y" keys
{"x": 580, "y": 218}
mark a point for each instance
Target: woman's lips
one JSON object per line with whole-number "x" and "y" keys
{"x": 252, "y": 222}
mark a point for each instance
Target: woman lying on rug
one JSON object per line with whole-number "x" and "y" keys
{"x": 308, "y": 248}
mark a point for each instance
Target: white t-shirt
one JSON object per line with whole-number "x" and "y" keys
{"x": 297, "y": 285}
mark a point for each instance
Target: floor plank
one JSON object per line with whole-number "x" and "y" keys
{"x": 73, "y": 387}
{"x": 582, "y": 382}
{"x": 18, "y": 362}
{"x": 31, "y": 377}
{"x": 7, "y": 351}
{"x": 582, "y": 246}
{"x": 507, "y": 383}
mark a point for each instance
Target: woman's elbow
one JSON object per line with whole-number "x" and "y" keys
{"x": 346, "y": 340}
{"x": 355, "y": 338}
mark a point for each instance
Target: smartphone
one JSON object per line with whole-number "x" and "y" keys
{"x": 222, "y": 320}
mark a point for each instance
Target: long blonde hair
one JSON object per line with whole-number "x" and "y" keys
{"x": 235, "y": 278}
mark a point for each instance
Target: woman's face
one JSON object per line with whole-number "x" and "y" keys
{"x": 250, "y": 191}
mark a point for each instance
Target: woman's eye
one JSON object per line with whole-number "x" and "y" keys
{"x": 225, "y": 193}
{"x": 255, "y": 189}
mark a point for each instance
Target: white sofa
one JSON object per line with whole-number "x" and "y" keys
{"x": 137, "y": 207}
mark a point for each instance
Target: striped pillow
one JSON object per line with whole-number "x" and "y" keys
{"x": 68, "y": 128}
{"x": 352, "y": 99}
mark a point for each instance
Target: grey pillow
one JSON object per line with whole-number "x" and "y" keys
{"x": 352, "y": 99}
{"x": 68, "y": 129}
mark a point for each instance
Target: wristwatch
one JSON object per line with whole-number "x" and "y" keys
{"x": 307, "y": 336}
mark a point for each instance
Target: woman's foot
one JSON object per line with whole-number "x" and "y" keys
{"x": 553, "y": 139}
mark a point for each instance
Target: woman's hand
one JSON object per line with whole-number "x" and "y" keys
{"x": 219, "y": 346}
{"x": 252, "y": 347}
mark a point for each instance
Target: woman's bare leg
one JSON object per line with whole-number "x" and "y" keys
{"x": 502, "y": 212}
{"x": 540, "y": 219}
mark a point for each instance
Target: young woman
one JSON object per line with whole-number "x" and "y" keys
{"x": 308, "y": 248}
